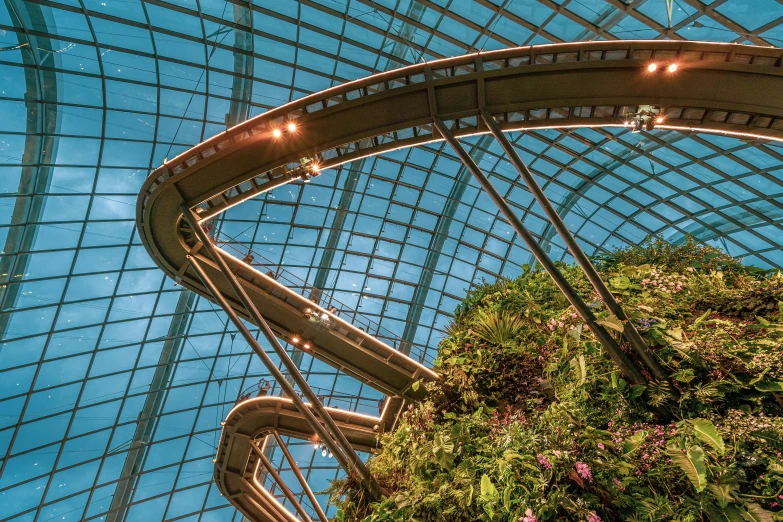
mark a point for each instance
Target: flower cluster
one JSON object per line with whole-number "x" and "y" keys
{"x": 584, "y": 471}
{"x": 659, "y": 283}
{"x": 652, "y": 448}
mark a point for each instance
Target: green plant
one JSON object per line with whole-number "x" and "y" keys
{"x": 532, "y": 422}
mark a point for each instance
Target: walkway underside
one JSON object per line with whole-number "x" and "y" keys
{"x": 251, "y": 422}
{"x": 721, "y": 88}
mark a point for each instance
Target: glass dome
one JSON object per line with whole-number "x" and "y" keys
{"x": 114, "y": 380}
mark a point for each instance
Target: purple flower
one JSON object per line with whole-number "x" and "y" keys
{"x": 593, "y": 517}
{"x": 529, "y": 516}
{"x": 544, "y": 463}
{"x": 584, "y": 471}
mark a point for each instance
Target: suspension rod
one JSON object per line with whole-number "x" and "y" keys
{"x": 629, "y": 330}
{"x": 279, "y": 481}
{"x": 330, "y": 434}
{"x": 300, "y": 477}
{"x": 607, "y": 341}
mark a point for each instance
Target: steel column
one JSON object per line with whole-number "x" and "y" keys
{"x": 629, "y": 330}
{"x": 300, "y": 477}
{"x": 335, "y": 441}
{"x": 607, "y": 341}
{"x": 279, "y": 481}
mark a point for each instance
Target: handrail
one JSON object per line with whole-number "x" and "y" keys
{"x": 325, "y": 300}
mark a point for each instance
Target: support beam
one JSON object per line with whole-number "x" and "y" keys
{"x": 607, "y": 341}
{"x": 330, "y": 434}
{"x": 300, "y": 477}
{"x": 279, "y": 481}
{"x": 629, "y": 330}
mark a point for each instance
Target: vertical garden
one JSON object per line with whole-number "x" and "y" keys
{"x": 532, "y": 421}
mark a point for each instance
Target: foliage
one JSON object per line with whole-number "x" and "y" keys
{"x": 532, "y": 422}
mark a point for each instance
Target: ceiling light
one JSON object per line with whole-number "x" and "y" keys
{"x": 306, "y": 346}
{"x": 277, "y": 133}
{"x": 659, "y": 120}
{"x": 652, "y": 67}
{"x": 672, "y": 68}
{"x": 291, "y": 127}
{"x": 295, "y": 339}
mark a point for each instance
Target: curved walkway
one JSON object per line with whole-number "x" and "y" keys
{"x": 720, "y": 88}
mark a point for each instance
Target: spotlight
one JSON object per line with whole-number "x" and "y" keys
{"x": 295, "y": 339}
{"x": 291, "y": 127}
{"x": 672, "y": 68}
{"x": 652, "y": 67}
{"x": 316, "y": 169}
{"x": 659, "y": 120}
{"x": 277, "y": 133}
{"x": 306, "y": 346}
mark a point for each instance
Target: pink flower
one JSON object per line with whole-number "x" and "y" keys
{"x": 584, "y": 471}
{"x": 593, "y": 517}
{"x": 544, "y": 463}
{"x": 529, "y": 516}
{"x": 601, "y": 445}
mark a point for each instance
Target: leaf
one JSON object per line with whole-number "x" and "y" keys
{"x": 633, "y": 442}
{"x": 576, "y": 332}
{"x": 612, "y": 322}
{"x": 620, "y": 282}
{"x": 415, "y": 385}
{"x": 692, "y": 464}
{"x": 637, "y": 390}
{"x": 708, "y": 434}
{"x": 769, "y": 386}
{"x": 488, "y": 490}
{"x": 507, "y": 497}
{"x": 702, "y": 318}
{"x": 757, "y": 513}
{"x": 724, "y": 493}
{"x": 578, "y": 364}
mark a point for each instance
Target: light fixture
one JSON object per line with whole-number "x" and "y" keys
{"x": 659, "y": 119}
{"x": 672, "y": 68}
{"x": 652, "y": 67}
{"x": 323, "y": 452}
{"x": 316, "y": 169}
{"x": 277, "y": 133}
{"x": 291, "y": 127}
{"x": 295, "y": 339}
{"x": 306, "y": 346}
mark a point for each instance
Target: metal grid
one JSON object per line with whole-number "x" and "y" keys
{"x": 96, "y": 92}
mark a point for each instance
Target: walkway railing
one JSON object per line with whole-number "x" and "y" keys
{"x": 241, "y": 251}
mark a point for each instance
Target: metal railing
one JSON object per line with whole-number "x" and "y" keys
{"x": 266, "y": 266}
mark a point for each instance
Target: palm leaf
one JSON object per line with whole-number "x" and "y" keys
{"x": 708, "y": 434}
{"x": 692, "y": 464}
